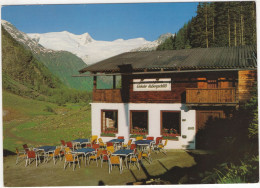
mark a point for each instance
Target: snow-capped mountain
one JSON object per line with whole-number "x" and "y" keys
{"x": 23, "y": 38}
{"x": 154, "y": 44}
{"x": 62, "y": 64}
{"x": 85, "y": 47}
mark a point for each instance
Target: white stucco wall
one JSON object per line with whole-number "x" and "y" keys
{"x": 188, "y": 121}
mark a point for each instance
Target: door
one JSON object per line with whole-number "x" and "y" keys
{"x": 204, "y": 115}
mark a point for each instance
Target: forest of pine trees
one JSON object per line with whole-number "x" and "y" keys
{"x": 217, "y": 24}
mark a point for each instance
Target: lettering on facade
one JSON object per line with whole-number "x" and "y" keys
{"x": 161, "y": 84}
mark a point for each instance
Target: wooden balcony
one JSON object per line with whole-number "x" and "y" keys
{"x": 207, "y": 97}
{"x": 107, "y": 95}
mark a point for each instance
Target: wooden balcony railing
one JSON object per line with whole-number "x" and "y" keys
{"x": 107, "y": 95}
{"x": 211, "y": 96}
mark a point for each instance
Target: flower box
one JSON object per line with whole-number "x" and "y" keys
{"x": 136, "y": 135}
{"x": 108, "y": 134}
{"x": 171, "y": 138}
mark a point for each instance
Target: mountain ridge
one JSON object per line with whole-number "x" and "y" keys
{"x": 61, "y": 63}
{"x": 84, "y": 46}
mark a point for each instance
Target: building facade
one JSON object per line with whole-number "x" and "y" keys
{"x": 172, "y": 94}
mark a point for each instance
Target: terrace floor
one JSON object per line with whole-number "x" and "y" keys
{"x": 171, "y": 167}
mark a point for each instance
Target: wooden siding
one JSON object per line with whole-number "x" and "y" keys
{"x": 204, "y": 116}
{"x": 210, "y": 96}
{"x": 246, "y": 82}
{"x": 176, "y": 95}
{"x": 107, "y": 95}
{"x": 190, "y": 88}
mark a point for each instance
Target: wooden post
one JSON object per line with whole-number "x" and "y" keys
{"x": 114, "y": 81}
{"x": 94, "y": 82}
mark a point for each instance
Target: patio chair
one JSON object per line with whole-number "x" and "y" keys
{"x": 110, "y": 144}
{"x": 26, "y": 148}
{"x": 111, "y": 149}
{"x": 95, "y": 147}
{"x": 147, "y": 155}
{"x": 32, "y": 155}
{"x": 128, "y": 145}
{"x": 20, "y": 155}
{"x": 101, "y": 143}
{"x": 95, "y": 157}
{"x": 105, "y": 156}
{"x": 71, "y": 158}
{"x": 115, "y": 160}
{"x": 133, "y": 146}
{"x": 161, "y": 147}
{"x": 136, "y": 159}
{"x": 139, "y": 138}
{"x": 67, "y": 150}
{"x": 55, "y": 155}
{"x": 94, "y": 139}
{"x": 158, "y": 141}
{"x": 70, "y": 145}
{"x": 120, "y": 137}
{"x": 150, "y": 138}
{"x": 88, "y": 145}
{"x": 63, "y": 143}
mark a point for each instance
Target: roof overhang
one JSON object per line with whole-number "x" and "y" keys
{"x": 160, "y": 72}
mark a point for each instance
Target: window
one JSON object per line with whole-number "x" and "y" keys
{"x": 109, "y": 121}
{"x": 171, "y": 123}
{"x": 212, "y": 84}
{"x": 138, "y": 122}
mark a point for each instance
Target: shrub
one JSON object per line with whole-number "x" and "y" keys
{"x": 49, "y": 109}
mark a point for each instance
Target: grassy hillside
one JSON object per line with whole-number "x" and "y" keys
{"x": 20, "y": 65}
{"x": 24, "y": 75}
{"x": 65, "y": 64}
{"x": 39, "y": 123}
{"x": 61, "y": 63}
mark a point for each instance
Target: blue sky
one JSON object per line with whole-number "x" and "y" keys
{"x": 102, "y": 21}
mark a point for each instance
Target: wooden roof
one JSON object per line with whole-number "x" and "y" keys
{"x": 243, "y": 57}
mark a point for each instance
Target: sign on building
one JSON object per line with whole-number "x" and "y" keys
{"x": 159, "y": 84}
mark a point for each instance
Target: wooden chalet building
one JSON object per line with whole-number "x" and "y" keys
{"x": 170, "y": 93}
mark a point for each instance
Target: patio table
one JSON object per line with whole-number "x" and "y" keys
{"x": 124, "y": 153}
{"x": 85, "y": 152}
{"x": 117, "y": 142}
{"x": 46, "y": 150}
{"x": 144, "y": 143}
{"x": 80, "y": 141}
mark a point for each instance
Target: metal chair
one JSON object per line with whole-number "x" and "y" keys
{"x": 70, "y": 145}
{"x": 133, "y": 146}
{"x": 71, "y": 158}
{"x": 136, "y": 159}
{"x": 115, "y": 160}
{"x": 105, "y": 156}
{"x": 139, "y": 138}
{"x": 20, "y": 155}
{"x": 96, "y": 156}
{"x": 55, "y": 155}
{"x": 147, "y": 155}
{"x": 101, "y": 143}
{"x": 95, "y": 147}
{"x": 161, "y": 147}
{"x": 32, "y": 155}
{"x": 94, "y": 139}
{"x": 158, "y": 141}
{"x": 111, "y": 149}
{"x": 150, "y": 138}
{"x": 128, "y": 145}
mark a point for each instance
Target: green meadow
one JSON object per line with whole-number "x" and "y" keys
{"x": 32, "y": 122}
